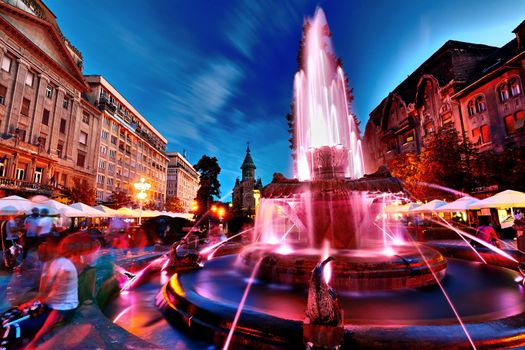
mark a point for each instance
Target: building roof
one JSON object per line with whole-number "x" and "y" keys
{"x": 248, "y": 160}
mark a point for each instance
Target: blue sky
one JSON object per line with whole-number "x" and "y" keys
{"x": 212, "y": 75}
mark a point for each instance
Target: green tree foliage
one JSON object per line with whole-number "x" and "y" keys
{"x": 119, "y": 198}
{"x": 174, "y": 204}
{"x": 79, "y": 192}
{"x": 209, "y": 170}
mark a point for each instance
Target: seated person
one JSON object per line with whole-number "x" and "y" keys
{"x": 58, "y": 292}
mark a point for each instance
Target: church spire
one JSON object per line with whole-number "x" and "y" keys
{"x": 248, "y": 166}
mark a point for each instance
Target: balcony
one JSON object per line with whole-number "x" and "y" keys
{"x": 25, "y": 186}
{"x": 105, "y": 105}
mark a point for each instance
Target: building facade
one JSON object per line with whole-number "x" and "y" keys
{"x": 246, "y": 191}
{"x": 44, "y": 142}
{"x": 476, "y": 88}
{"x": 183, "y": 180}
{"x": 129, "y": 148}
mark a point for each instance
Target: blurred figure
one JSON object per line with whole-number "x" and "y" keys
{"x": 118, "y": 233}
{"x": 46, "y": 225}
{"x": 11, "y": 231}
{"x": 31, "y": 232}
{"x": 486, "y": 232}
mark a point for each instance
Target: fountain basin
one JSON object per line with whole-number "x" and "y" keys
{"x": 352, "y": 270}
{"x": 491, "y": 305}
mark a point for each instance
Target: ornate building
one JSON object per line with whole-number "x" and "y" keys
{"x": 45, "y": 140}
{"x": 477, "y": 88}
{"x": 246, "y": 192}
{"x": 130, "y": 147}
{"x": 183, "y": 180}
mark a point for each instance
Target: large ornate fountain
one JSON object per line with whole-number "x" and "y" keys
{"x": 394, "y": 293}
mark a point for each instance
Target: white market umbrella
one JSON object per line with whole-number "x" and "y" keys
{"x": 461, "y": 204}
{"x": 22, "y": 205}
{"x": 400, "y": 209}
{"x": 8, "y": 210}
{"x": 88, "y": 211}
{"x": 54, "y": 207}
{"x": 430, "y": 207}
{"x": 107, "y": 210}
{"x": 126, "y": 212}
{"x": 505, "y": 199}
{"x": 187, "y": 216}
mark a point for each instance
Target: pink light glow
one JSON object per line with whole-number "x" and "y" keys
{"x": 122, "y": 313}
{"x": 321, "y": 106}
{"x": 327, "y": 270}
{"x": 241, "y": 305}
{"x": 284, "y": 249}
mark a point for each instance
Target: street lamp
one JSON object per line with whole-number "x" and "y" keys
{"x": 142, "y": 187}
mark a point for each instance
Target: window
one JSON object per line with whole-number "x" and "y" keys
{"x": 520, "y": 120}
{"x": 429, "y": 128}
{"x": 100, "y": 179}
{"x": 102, "y": 164}
{"x": 111, "y": 168}
{"x": 106, "y": 121}
{"x": 24, "y": 110}
{"x": 81, "y": 159}
{"x": 64, "y": 179}
{"x": 21, "y": 134}
{"x": 509, "y": 124}
{"x": 3, "y": 165}
{"x": 38, "y": 175}
{"x": 83, "y": 138}
{"x": 103, "y": 150}
{"x": 63, "y": 125}
{"x": 471, "y": 109}
{"x": 515, "y": 88}
{"x": 112, "y": 153}
{"x": 60, "y": 149}
{"x": 29, "y": 79}
{"x": 85, "y": 118}
{"x": 65, "y": 103}
{"x": 485, "y": 134}
{"x": 20, "y": 173}
{"x": 6, "y": 63}
{"x": 49, "y": 91}
{"x": 109, "y": 181}
{"x": 114, "y": 140}
{"x": 3, "y": 92}
{"x": 408, "y": 137}
{"x": 45, "y": 117}
{"x": 104, "y": 135}
{"x": 42, "y": 139}
{"x": 114, "y": 127}
{"x": 503, "y": 92}
{"x": 481, "y": 105}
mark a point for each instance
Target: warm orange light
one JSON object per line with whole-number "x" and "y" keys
{"x": 213, "y": 208}
{"x": 194, "y": 205}
{"x": 221, "y": 212}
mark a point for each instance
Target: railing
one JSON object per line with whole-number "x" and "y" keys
{"x": 28, "y": 186}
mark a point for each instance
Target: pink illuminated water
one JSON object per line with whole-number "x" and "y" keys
{"x": 322, "y": 115}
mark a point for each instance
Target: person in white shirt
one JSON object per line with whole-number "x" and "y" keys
{"x": 45, "y": 225}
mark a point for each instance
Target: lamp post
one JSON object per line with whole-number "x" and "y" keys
{"x": 142, "y": 187}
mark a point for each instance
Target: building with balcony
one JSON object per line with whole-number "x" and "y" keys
{"x": 44, "y": 139}
{"x": 477, "y": 88}
{"x": 129, "y": 147}
{"x": 183, "y": 180}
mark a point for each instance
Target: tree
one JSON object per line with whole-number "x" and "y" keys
{"x": 209, "y": 170}
{"x": 80, "y": 192}
{"x": 119, "y": 198}
{"x": 174, "y": 204}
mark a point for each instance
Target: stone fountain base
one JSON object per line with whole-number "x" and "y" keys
{"x": 352, "y": 270}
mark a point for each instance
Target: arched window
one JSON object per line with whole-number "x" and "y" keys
{"x": 503, "y": 92}
{"x": 515, "y": 87}
{"x": 481, "y": 105}
{"x": 471, "y": 108}
{"x": 509, "y": 124}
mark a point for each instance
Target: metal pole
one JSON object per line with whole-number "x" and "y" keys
{"x": 140, "y": 212}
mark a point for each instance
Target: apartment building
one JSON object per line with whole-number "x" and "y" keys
{"x": 183, "y": 180}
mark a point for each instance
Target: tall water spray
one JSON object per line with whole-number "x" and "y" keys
{"x": 322, "y": 117}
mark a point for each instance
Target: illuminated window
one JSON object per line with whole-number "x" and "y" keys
{"x": 485, "y": 134}
{"x": 476, "y": 136}
{"x": 509, "y": 124}
{"x": 503, "y": 92}
{"x": 515, "y": 88}
{"x": 520, "y": 120}
{"x": 471, "y": 108}
{"x": 481, "y": 105}
{"x": 3, "y": 165}
{"x": 408, "y": 137}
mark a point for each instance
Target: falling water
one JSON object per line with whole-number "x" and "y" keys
{"x": 321, "y": 107}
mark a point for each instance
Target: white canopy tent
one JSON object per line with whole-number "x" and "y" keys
{"x": 9, "y": 204}
{"x": 504, "y": 199}
{"x": 400, "y": 209}
{"x": 461, "y": 204}
{"x": 54, "y": 207}
{"x": 88, "y": 211}
{"x": 430, "y": 207}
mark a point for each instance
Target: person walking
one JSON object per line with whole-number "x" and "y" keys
{"x": 31, "y": 239}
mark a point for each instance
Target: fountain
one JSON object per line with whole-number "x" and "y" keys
{"x": 392, "y": 292}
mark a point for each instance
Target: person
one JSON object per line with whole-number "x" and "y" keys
{"x": 487, "y": 233}
{"x": 31, "y": 232}
{"x": 11, "y": 231}
{"x": 46, "y": 225}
